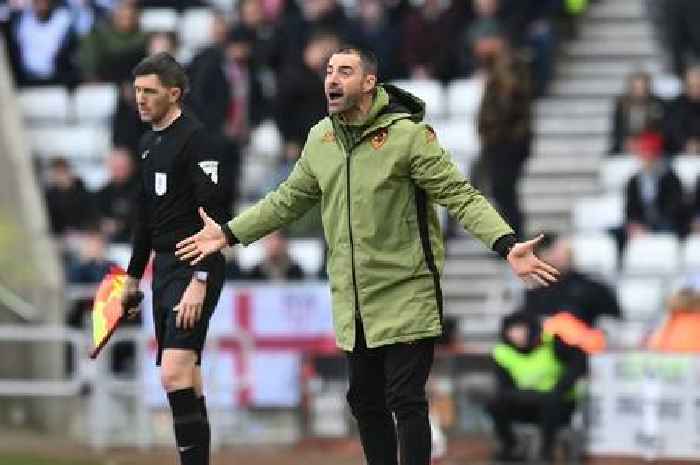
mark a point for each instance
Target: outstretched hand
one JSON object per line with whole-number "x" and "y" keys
{"x": 533, "y": 271}
{"x": 208, "y": 240}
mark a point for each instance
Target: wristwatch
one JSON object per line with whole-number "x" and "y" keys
{"x": 201, "y": 276}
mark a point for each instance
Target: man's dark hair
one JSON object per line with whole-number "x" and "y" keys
{"x": 367, "y": 57}
{"x": 168, "y": 70}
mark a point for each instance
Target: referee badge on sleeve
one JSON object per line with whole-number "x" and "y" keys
{"x": 211, "y": 169}
{"x": 161, "y": 183}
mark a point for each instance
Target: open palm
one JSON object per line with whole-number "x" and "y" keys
{"x": 528, "y": 267}
{"x": 208, "y": 240}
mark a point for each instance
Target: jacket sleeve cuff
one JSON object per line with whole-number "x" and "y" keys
{"x": 504, "y": 244}
{"x": 231, "y": 238}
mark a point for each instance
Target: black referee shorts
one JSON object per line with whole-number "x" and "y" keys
{"x": 170, "y": 279}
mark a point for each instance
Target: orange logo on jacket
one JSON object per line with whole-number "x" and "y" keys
{"x": 328, "y": 137}
{"x": 379, "y": 138}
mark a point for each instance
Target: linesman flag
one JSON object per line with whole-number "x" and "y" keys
{"x": 107, "y": 310}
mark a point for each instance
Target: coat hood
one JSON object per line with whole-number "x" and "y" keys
{"x": 403, "y": 102}
{"x": 534, "y": 330}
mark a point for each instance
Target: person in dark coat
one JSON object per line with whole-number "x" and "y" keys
{"x": 654, "y": 197}
{"x": 301, "y": 102}
{"x": 373, "y": 30}
{"x": 226, "y": 89}
{"x": 683, "y": 132}
{"x": 505, "y": 128}
{"x": 116, "y": 199}
{"x": 636, "y": 111}
{"x": 127, "y": 127}
{"x": 426, "y": 41}
{"x": 69, "y": 204}
{"x": 574, "y": 292}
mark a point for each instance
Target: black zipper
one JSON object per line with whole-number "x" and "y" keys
{"x": 352, "y": 244}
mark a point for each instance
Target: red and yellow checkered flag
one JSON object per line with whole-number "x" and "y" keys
{"x": 107, "y": 309}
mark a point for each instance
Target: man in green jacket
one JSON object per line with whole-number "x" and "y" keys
{"x": 378, "y": 172}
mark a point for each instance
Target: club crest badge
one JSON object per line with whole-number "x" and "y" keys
{"x": 379, "y": 138}
{"x": 161, "y": 183}
{"x": 328, "y": 137}
{"x": 211, "y": 169}
{"x": 430, "y": 135}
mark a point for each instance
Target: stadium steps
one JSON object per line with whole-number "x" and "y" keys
{"x": 573, "y": 121}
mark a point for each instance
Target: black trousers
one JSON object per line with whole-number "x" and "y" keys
{"x": 548, "y": 411}
{"x": 391, "y": 380}
{"x": 504, "y": 164}
{"x": 681, "y": 32}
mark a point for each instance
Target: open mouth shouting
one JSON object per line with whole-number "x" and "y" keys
{"x": 335, "y": 99}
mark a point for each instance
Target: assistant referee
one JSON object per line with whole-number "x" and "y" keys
{"x": 179, "y": 173}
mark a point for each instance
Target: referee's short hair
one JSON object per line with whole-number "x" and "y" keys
{"x": 165, "y": 66}
{"x": 367, "y": 57}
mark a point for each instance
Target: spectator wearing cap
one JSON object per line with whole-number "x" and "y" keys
{"x": 637, "y": 111}
{"x": 683, "y": 132}
{"x": 69, "y": 204}
{"x": 574, "y": 292}
{"x": 42, "y": 42}
{"x": 654, "y": 198}
{"x": 112, "y": 50}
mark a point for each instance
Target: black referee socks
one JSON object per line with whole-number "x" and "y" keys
{"x": 189, "y": 425}
{"x": 206, "y": 430}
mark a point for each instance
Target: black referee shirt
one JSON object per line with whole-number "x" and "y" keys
{"x": 179, "y": 173}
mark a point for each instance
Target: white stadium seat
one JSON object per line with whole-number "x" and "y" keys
{"x": 652, "y": 254}
{"x": 250, "y": 255}
{"x": 641, "y": 299}
{"x": 195, "y": 28}
{"x": 45, "y": 105}
{"x": 95, "y": 103}
{"x": 428, "y": 90}
{"x": 687, "y": 167}
{"x": 159, "y": 19}
{"x": 464, "y": 97}
{"x": 308, "y": 253}
{"x": 667, "y": 86}
{"x": 691, "y": 254}
{"x": 119, "y": 254}
{"x": 266, "y": 140}
{"x": 77, "y": 142}
{"x": 595, "y": 253}
{"x": 598, "y": 213}
{"x": 615, "y": 172}
{"x": 227, "y": 7}
{"x": 458, "y": 137}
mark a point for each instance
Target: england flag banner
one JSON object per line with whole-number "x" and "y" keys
{"x": 257, "y": 337}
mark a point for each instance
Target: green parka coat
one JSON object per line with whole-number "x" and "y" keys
{"x": 378, "y": 181}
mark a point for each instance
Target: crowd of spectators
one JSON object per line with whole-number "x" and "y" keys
{"x": 265, "y": 60}
{"x": 655, "y": 131}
